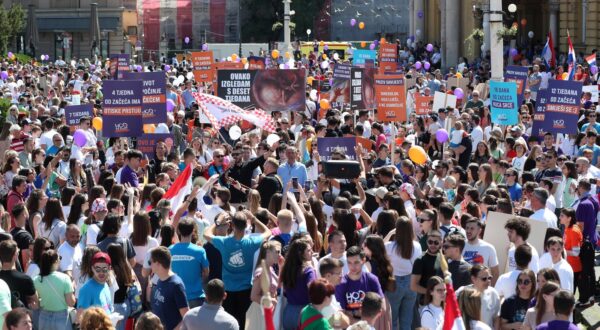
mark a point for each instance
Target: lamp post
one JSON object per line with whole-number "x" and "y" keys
{"x": 239, "y": 28}
{"x": 308, "y": 31}
{"x": 496, "y": 47}
{"x": 286, "y": 25}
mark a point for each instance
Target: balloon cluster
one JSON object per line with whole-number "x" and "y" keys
{"x": 361, "y": 25}
{"x": 44, "y": 57}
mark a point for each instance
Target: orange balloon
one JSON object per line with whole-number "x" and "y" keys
{"x": 382, "y": 41}
{"x": 361, "y": 25}
{"x": 275, "y": 53}
{"x": 363, "y": 44}
{"x": 322, "y": 43}
{"x": 324, "y": 103}
{"x": 523, "y": 22}
{"x": 149, "y": 128}
{"x": 310, "y": 80}
{"x": 287, "y": 55}
{"x": 244, "y": 60}
{"x": 234, "y": 57}
{"x": 324, "y": 56}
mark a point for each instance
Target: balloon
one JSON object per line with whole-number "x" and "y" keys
{"x": 523, "y": 22}
{"x": 441, "y": 135}
{"x": 353, "y": 22}
{"x": 229, "y": 59}
{"x": 321, "y": 43}
{"x": 324, "y": 65}
{"x": 287, "y": 55}
{"x": 336, "y": 56}
{"x": 514, "y": 52}
{"x": 313, "y": 95}
{"x": 309, "y": 80}
{"x": 282, "y": 66}
{"x": 418, "y": 65}
{"x": 42, "y": 57}
{"x": 376, "y": 42}
{"x": 363, "y": 44}
{"x": 234, "y": 57}
{"x": 324, "y": 103}
{"x": 79, "y": 138}
{"x": 426, "y": 65}
{"x": 244, "y": 60}
{"x": 10, "y": 55}
{"x": 186, "y": 40}
{"x": 286, "y": 66}
{"x": 235, "y": 132}
{"x": 161, "y": 128}
{"x": 361, "y": 25}
{"x": 383, "y": 41}
{"x": 190, "y": 75}
{"x": 204, "y": 47}
{"x": 92, "y": 67}
{"x": 272, "y": 139}
{"x": 408, "y": 42}
{"x": 420, "y": 14}
{"x": 275, "y": 53}
{"x": 418, "y": 32}
{"x": 565, "y": 76}
{"x": 149, "y": 128}
{"x": 372, "y": 46}
{"x": 594, "y": 69}
{"x": 324, "y": 56}
{"x": 170, "y": 105}
{"x": 459, "y": 93}
{"x": 429, "y": 47}
{"x": 459, "y": 75}
{"x": 167, "y": 67}
{"x": 417, "y": 154}
{"x": 326, "y": 47}
{"x": 4, "y": 75}
{"x": 97, "y": 123}
{"x": 169, "y": 142}
{"x": 530, "y": 34}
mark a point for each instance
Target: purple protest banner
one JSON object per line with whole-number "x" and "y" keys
{"x": 154, "y": 106}
{"x": 517, "y": 74}
{"x": 147, "y": 143}
{"x": 119, "y": 64}
{"x": 539, "y": 113}
{"x": 327, "y": 145}
{"x": 74, "y": 113}
{"x": 562, "y": 106}
{"x": 122, "y": 108}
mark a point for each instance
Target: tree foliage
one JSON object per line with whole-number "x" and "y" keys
{"x": 12, "y": 22}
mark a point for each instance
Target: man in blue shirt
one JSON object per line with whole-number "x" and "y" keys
{"x": 95, "y": 291}
{"x": 237, "y": 253}
{"x": 591, "y": 145}
{"x": 189, "y": 262}
{"x": 591, "y": 115}
{"x": 514, "y": 188}
{"x": 292, "y": 168}
{"x": 168, "y": 300}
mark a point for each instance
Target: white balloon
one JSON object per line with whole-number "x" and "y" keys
{"x": 180, "y": 77}
{"x": 190, "y": 75}
{"x": 228, "y": 58}
{"x": 246, "y": 66}
{"x": 324, "y": 65}
{"x": 408, "y": 42}
{"x": 282, "y": 66}
{"x": 530, "y": 34}
{"x": 19, "y": 83}
{"x": 418, "y": 32}
{"x": 73, "y": 63}
{"x": 313, "y": 95}
{"x": 272, "y": 139}
{"x": 336, "y": 56}
{"x": 235, "y": 132}
{"x": 42, "y": 57}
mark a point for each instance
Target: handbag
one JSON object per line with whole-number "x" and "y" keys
{"x": 72, "y": 312}
{"x": 134, "y": 298}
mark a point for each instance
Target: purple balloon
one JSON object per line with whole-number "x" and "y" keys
{"x": 376, "y": 42}
{"x": 372, "y": 46}
{"x": 594, "y": 69}
{"x": 331, "y": 81}
{"x": 10, "y": 54}
{"x": 459, "y": 93}
{"x": 326, "y": 47}
{"x": 92, "y": 67}
{"x": 441, "y": 135}
{"x": 170, "y": 105}
{"x": 4, "y": 75}
{"x": 187, "y": 40}
{"x": 353, "y": 22}
{"x": 412, "y": 38}
{"x": 167, "y": 67}
{"x": 429, "y": 47}
{"x": 427, "y": 65}
{"x": 79, "y": 138}
{"x": 420, "y": 14}
{"x": 514, "y": 52}
{"x": 286, "y": 66}
{"x": 418, "y": 65}
{"x": 138, "y": 68}
{"x": 204, "y": 47}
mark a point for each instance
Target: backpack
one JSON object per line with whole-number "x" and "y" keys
{"x": 587, "y": 281}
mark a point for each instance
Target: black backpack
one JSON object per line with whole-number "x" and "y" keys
{"x": 587, "y": 282}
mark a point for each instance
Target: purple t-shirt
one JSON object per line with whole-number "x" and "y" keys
{"x": 128, "y": 175}
{"x": 350, "y": 293}
{"x": 557, "y": 325}
{"x": 586, "y": 212}
{"x": 298, "y": 295}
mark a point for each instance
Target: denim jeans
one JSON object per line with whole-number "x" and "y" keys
{"x": 291, "y": 316}
{"x": 402, "y": 301}
{"x": 54, "y": 320}
{"x": 123, "y": 309}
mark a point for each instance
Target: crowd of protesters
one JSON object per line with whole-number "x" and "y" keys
{"x": 88, "y": 240}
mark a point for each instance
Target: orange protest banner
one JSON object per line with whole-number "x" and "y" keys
{"x": 423, "y": 104}
{"x": 391, "y": 97}
{"x": 225, "y": 65}
{"x": 202, "y": 63}
{"x": 367, "y": 144}
{"x": 388, "y": 58}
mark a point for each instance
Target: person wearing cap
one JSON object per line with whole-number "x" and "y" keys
{"x": 407, "y": 193}
{"x": 95, "y": 292}
{"x": 379, "y": 193}
{"x": 591, "y": 145}
{"x": 91, "y": 227}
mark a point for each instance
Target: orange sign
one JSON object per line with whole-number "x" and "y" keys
{"x": 202, "y": 63}
{"x": 225, "y": 65}
{"x": 367, "y": 144}
{"x": 388, "y": 57}
{"x": 390, "y": 97}
{"x": 423, "y": 104}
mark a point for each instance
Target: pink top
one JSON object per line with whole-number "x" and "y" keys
{"x": 256, "y": 293}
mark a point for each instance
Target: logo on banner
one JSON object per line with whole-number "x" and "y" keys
{"x": 121, "y": 128}
{"x": 558, "y": 123}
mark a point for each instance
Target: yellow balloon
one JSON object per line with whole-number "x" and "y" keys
{"x": 324, "y": 56}
{"x": 275, "y": 53}
{"x": 322, "y": 43}
{"x": 149, "y": 128}
{"x": 310, "y": 80}
{"x": 565, "y": 76}
{"x": 234, "y": 57}
{"x": 324, "y": 103}
{"x": 244, "y": 60}
{"x": 459, "y": 75}
{"x": 97, "y": 123}
{"x": 361, "y": 25}
{"x": 417, "y": 154}
{"x": 287, "y": 55}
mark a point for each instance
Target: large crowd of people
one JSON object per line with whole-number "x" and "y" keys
{"x": 88, "y": 240}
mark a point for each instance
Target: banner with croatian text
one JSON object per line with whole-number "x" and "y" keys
{"x": 74, "y": 113}
{"x": 154, "y": 106}
{"x": 340, "y": 90}
{"x": 539, "y": 113}
{"x": 423, "y": 104}
{"x": 562, "y": 106}
{"x": 147, "y": 142}
{"x": 503, "y": 103}
{"x": 391, "y": 98}
{"x": 203, "y": 68}
{"x": 122, "y": 108}
{"x": 362, "y": 84}
{"x": 517, "y": 74}
{"x": 361, "y": 55}
{"x": 388, "y": 58}
{"x": 119, "y": 64}
{"x": 345, "y": 145}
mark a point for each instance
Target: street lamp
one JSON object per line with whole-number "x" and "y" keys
{"x": 308, "y": 31}
{"x": 512, "y": 8}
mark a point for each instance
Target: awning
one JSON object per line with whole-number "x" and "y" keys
{"x": 72, "y": 24}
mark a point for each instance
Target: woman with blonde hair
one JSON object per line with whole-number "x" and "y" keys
{"x": 469, "y": 302}
{"x": 270, "y": 253}
{"x": 95, "y": 318}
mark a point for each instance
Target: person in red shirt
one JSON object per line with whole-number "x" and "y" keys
{"x": 573, "y": 238}
{"x": 15, "y": 196}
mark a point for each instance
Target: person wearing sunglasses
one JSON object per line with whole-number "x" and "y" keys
{"x": 453, "y": 247}
{"x": 514, "y": 308}
{"x": 427, "y": 265}
{"x": 96, "y": 292}
{"x": 490, "y": 300}
{"x": 505, "y": 286}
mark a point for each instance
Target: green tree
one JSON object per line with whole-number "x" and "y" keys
{"x": 12, "y": 22}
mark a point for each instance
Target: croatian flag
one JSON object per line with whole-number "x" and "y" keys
{"x": 548, "y": 52}
{"x": 180, "y": 188}
{"x": 571, "y": 59}
{"x": 591, "y": 60}
{"x": 452, "y": 318}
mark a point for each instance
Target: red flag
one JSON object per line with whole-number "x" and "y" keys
{"x": 180, "y": 188}
{"x": 452, "y": 318}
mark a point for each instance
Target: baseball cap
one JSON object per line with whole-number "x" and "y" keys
{"x": 101, "y": 257}
{"x": 99, "y": 205}
{"x": 409, "y": 189}
{"x": 380, "y": 192}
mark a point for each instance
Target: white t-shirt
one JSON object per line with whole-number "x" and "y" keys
{"x": 140, "y": 251}
{"x": 70, "y": 259}
{"x": 91, "y": 236}
{"x": 506, "y": 286}
{"x": 547, "y": 216}
{"x": 518, "y": 163}
{"x": 476, "y": 136}
{"x": 432, "y": 317}
{"x": 55, "y": 233}
{"x": 46, "y": 138}
{"x": 481, "y": 253}
{"x": 402, "y": 267}
{"x": 533, "y": 264}
{"x": 457, "y": 136}
{"x": 490, "y": 304}
{"x": 564, "y": 270}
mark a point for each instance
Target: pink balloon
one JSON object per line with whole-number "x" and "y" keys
{"x": 429, "y": 47}
{"x": 418, "y": 65}
{"x": 427, "y": 65}
{"x": 204, "y": 47}
{"x": 372, "y": 46}
{"x": 187, "y": 40}
{"x": 170, "y": 105}
{"x": 353, "y": 22}
{"x": 459, "y": 93}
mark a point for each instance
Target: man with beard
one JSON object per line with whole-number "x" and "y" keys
{"x": 241, "y": 173}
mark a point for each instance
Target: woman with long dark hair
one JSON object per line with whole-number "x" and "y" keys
{"x": 35, "y": 205}
{"x": 77, "y": 177}
{"x": 486, "y": 179}
{"x": 55, "y": 290}
{"x": 53, "y": 226}
{"x": 125, "y": 279}
{"x": 295, "y": 276}
{"x": 569, "y": 183}
{"x": 142, "y": 242}
{"x": 40, "y": 245}
{"x": 513, "y": 309}
{"x": 402, "y": 251}
{"x": 421, "y": 181}
{"x": 432, "y": 315}
{"x": 79, "y": 207}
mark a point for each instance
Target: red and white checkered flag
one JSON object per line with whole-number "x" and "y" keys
{"x": 221, "y": 112}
